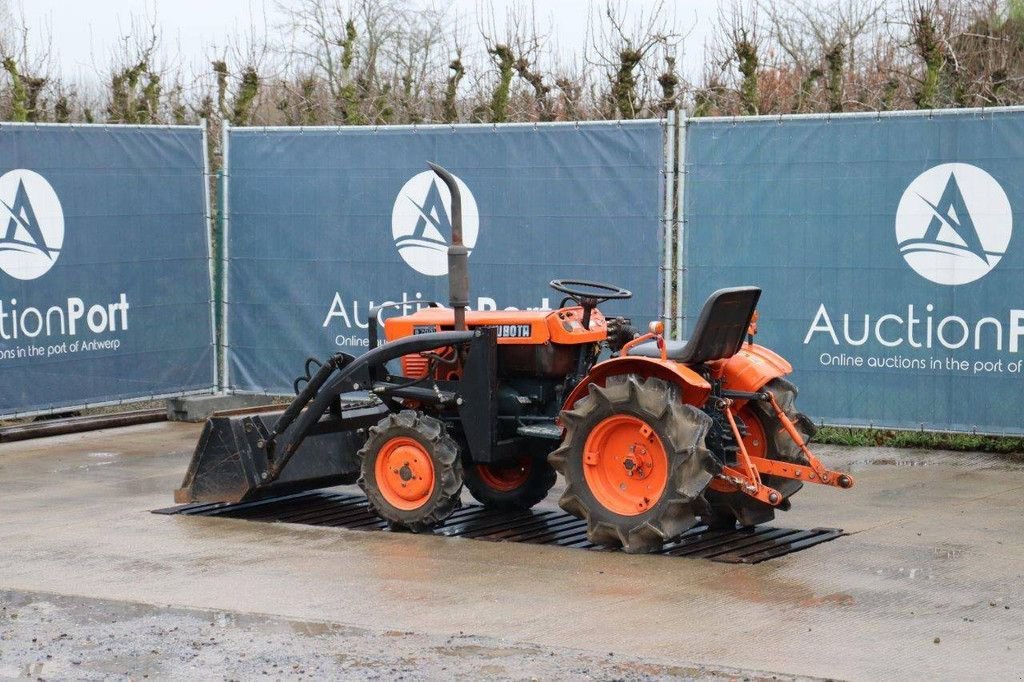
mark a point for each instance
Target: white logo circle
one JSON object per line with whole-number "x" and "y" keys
{"x": 421, "y": 222}
{"x": 953, "y": 223}
{"x": 31, "y": 224}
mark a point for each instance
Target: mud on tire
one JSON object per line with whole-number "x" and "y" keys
{"x": 679, "y": 431}
{"x": 729, "y": 508}
{"x": 411, "y": 471}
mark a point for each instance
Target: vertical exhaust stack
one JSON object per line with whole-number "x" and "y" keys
{"x": 458, "y": 254}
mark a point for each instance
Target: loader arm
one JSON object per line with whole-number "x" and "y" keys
{"x": 246, "y": 457}
{"x": 295, "y": 423}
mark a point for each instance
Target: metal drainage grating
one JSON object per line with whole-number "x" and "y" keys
{"x": 537, "y": 526}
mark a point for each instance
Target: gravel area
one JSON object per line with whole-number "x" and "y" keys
{"x": 52, "y": 637}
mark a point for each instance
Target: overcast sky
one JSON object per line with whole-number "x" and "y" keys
{"x": 85, "y": 33}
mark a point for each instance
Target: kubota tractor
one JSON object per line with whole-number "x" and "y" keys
{"x": 648, "y": 440}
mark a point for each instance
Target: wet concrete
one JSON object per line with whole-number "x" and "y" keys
{"x": 45, "y": 636}
{"x": 928, "y": 584}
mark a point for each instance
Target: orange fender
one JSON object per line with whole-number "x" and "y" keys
{"x": 750, "y": 369}
{"x": 694, "y": 387}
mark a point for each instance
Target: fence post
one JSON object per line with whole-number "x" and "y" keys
{"x": 679, "y": 272}
{"x": 211, "y": 248}
{"x": 666, "y": 230}
{"x": 218, "y": 280}
{"x": 221, "y": 287}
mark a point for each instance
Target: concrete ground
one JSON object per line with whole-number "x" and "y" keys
{"x": 929, "y": 584}
{"x": 48, "y": 636}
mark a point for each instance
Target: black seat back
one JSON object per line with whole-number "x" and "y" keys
{"x": 722, "y": 325}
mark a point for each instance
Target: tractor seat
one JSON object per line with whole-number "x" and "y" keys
{"x": 719, "y": 332}
{"x": 674, "y": 350}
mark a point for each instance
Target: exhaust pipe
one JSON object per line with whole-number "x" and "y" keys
{"x": 458, "y": 254}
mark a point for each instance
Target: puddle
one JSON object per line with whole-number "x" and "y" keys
{"x": 948, "y": 551}
{"x": 759, "y": 589}
{"x": 477, "y": 650}
{"x": 941, "y": 459}
{"x": 892, "y": 462}
{"x": 906, "y": 573}
{"x": 93, "y": 465}
{"x": 323, "y": 629}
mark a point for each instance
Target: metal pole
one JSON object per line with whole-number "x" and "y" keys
{"x": 666, "y": 229}
{"x": 223, "y": 254}
{"x": 218, "y": 278}
{"x": 211, "y": 268}
{"x": 680, "y": 269}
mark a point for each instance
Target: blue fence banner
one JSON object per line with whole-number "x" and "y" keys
{"x": 893, "y": 280}
{"x": 323, "y": 223}
{"x": 104, "y": 265}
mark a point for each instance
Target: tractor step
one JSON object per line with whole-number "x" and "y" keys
{"x": 537, "y": 526}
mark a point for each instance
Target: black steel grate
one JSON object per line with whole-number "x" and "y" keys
{"x": 537, "y": 526}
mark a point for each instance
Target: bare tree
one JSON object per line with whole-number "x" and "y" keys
{"x": 134, "y": 79}
{"x": 823, "y": 45}
{"x": 622, "y": 52}
{"x": 734, "y": 69}
{"x": 26, "y": 63}
{"x": 323, "y": 38}
{"x": 388, "y": 61}
{"x": 516, "y": 52}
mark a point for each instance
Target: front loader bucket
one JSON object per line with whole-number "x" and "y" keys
{"x": 230, "y": 462}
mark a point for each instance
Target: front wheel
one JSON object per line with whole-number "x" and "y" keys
{"x": 411, "y": 471}
{"x": 634, "y": 462}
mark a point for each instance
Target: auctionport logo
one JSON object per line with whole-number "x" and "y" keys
{"x": 34, "y": 232}
{"x": 421, "y": 223}
{"x": 953, "y": 224}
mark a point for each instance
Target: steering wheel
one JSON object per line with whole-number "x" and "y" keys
{"x": 588, "y": 294}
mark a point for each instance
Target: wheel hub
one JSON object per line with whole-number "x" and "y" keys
{"x": 637, "y": 462}
{"x": 625, "y": 465}
{"x": 405, "y": 473}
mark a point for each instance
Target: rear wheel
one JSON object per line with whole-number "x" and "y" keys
{"x": 634, "y": 462}
{"x": 411, "y": 471}
{"x": 518, "y": 484}
{"x": 766, "y": 437}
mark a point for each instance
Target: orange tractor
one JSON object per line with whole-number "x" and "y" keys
{"x": 649, "y": 434}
